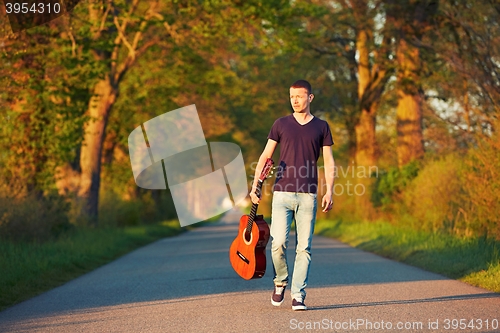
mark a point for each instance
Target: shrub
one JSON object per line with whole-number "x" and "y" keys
{"x": 389, "y": 186}
{"x": 147, "y": 208}
{"x": 481, "y": 177}
{"x": 432, "y": 197}
{"x": 33, "y": 219}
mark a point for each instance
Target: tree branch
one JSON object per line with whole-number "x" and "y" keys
{"x": 133, "y": 51}
{"x": 124, "y": 67}
{"x": 121, "y": 34}
{"x": 104, "y": 17}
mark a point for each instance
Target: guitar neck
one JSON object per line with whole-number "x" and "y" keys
{"x": 253, "y": 211}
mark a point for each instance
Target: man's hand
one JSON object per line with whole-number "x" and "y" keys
{"x": 327, "y": 202}
{"x": 253, "y": 196}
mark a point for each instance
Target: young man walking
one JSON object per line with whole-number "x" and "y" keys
{"x": 302, "y": 137}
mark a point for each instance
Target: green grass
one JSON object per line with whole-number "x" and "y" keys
{"x": 29, "y": 269}
{"x": 474, "y": 261}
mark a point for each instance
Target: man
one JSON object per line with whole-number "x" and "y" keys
{"x": 302, "y": 136}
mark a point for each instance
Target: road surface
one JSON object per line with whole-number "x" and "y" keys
{"x": 186, "y": 284}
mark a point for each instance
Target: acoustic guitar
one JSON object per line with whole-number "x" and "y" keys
{"x": 247, "y": 252}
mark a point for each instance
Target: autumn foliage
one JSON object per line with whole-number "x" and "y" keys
{"x": 409, "y": 87}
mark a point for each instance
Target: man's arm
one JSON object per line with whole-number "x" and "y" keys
{"x": 329, "y": 163}
{"x": 267, "y": 153}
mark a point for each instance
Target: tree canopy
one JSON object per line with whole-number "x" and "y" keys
{"x": 401, "y": 83}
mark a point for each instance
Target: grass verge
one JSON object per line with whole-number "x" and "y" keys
{"x": 474, "y": 261}
{"x": 29, "y": 269}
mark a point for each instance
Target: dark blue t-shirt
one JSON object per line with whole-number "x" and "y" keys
{"x": 300, "y": 147}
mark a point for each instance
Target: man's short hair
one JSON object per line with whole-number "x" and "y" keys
{"x": 302, "y": 84}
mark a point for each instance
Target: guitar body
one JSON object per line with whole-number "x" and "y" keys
{"x": 248, "y": 256}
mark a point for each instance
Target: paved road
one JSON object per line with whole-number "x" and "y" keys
{"x": 186, "y": 284}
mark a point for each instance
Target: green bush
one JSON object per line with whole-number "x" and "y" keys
{"x": 116, "y": 212}
{"x": 148, "y": 208}
{"x": 481, "y": 177}
{"x": 33, "y": 219}
{"x": 455, "y": 193}
{"x": 432, "y": 197}
{"x": 390, "y": 184}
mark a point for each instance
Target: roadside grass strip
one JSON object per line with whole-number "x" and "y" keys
{"x": 29, "y": 269}
{"x": 475, "y": 261}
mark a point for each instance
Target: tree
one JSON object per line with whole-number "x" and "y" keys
{"x": 121, "y": 32}
{"x": 43, "y": 97}
{"x": 411, "y": 20}
{"x": 469, "y": 44}
{"x": 356, "y": 31}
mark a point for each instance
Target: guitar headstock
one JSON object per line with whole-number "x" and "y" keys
{"x": 267, "y": 169}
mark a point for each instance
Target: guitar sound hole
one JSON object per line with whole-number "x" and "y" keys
{"x": 247, "y": 237}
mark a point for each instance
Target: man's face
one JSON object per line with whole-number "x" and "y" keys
{"x": 299, "y": 99}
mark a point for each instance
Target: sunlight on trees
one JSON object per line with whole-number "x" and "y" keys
{"x": 402, "y": 84}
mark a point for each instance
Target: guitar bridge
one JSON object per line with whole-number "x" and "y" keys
{"x": 242, "y": 257}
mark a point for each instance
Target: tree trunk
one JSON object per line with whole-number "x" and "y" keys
{"x": 365, "y": 129}
{"x": 410, "y": 143}
{"x": 366, "y": 155}
{"x": 100, "y": 104}
{"x": 351, "y": 137}
{"x": 365, "y": 126}
{"x": 409, "y": 110}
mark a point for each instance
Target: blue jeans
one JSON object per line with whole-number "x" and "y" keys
{"x": 285, "y": 207}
